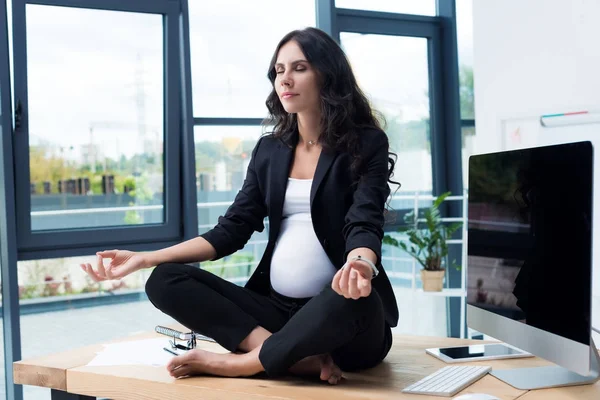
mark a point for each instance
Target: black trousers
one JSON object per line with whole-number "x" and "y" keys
{"x": 354, "y": 332}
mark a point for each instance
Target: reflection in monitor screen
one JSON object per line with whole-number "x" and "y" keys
{"x": 529, "y": 250}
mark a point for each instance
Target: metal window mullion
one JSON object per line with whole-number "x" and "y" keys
{"x": 383, "y": 15}
{"x": 8, "y": 241}
{"x": 446, "y": 10}
{"x": 24, "y": 255}
{"x": 228, "y": 121}
{"x": 387, "y": 26}
{"x": 137, "y": 6}
{"x": 189, "y": 218}
{"x": 325, "y": 12}
{"x": 21, "y": 132}
{"x": 436, "y": 120}
{"x": 172, "y": 192}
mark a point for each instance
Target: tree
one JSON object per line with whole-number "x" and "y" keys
{"x": 409, "y": 135}
{"x": 207, "y": 154}
{"x": 141, "y": 194}
{"x": 45, "y": 166}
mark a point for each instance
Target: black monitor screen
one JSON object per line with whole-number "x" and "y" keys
{"x": 530, "y": 237}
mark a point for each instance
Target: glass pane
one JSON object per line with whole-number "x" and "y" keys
{"x": 57, "y": 298}
{"x": 464, "y": 32}
{"x": 95, "y": 117}
{"x": 222, "y": 158}
{"x": 468, "y": 141}
{"x": 403, "y": 102}
{"x": 229, "y": 66}
{"x": 419, "y": 7}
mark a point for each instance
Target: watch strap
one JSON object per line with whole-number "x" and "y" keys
{"x": 373, "y": 267}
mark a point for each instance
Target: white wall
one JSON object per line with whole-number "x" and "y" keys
{"x": 531, "y": 58}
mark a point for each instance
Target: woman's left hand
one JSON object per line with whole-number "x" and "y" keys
{"x": 353, "y": 280}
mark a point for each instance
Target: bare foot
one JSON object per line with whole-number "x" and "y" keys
{"x": 329, "y": 371}
{"x": 321, "y": 365}
{"x": 201, "y": 362}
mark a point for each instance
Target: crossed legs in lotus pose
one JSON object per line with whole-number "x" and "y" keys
{"x": 328, "y": 334}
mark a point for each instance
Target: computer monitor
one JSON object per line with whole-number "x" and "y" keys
{"x": 529, "y": 264}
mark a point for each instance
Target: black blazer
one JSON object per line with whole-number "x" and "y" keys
{"x": 345, "y": 214}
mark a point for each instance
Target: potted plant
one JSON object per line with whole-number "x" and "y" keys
{"x": 428, "y": 236}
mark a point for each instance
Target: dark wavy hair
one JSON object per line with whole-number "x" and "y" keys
{"x": 345, "y": 110}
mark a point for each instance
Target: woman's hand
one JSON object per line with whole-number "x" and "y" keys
{"x": 122, "y": 263}
{"x": 353, "y": 280}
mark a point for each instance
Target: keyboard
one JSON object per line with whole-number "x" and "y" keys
{"x": 448, "y": 381}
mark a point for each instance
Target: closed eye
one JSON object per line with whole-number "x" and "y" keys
{"x": 299, "y": 69}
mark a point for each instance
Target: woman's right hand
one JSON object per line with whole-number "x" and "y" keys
{"x": 122, "y": 263}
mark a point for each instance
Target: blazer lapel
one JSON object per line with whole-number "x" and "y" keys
{"x": 325, "y": 160}
{"x": 281, "y": 162}
{"x": 279, "y": 173}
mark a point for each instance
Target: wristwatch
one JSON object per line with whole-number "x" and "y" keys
{"x": 373, "y": 267}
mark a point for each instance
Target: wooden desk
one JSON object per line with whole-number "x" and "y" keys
{"x": 405, "y": 364}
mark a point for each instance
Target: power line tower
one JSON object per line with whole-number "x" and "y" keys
{"x": 140, "y": 102}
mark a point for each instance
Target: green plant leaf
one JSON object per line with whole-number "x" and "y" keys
{"x": 440, "y": 199}
{"x": 390, "y": 240}
{"x": 453, "y": 228}
{"x": 427, "y": 236}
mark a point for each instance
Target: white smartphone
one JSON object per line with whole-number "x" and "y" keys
{"x": 477, "y": 352}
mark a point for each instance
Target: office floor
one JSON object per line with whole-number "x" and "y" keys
{"x": 421, "y": 314}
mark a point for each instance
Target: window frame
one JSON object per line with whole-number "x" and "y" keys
{"x": 418, "y": 26}
{"x": 445, "y": 118}
{"x": 8, "y": 243}
{"x": 68, "y": 242}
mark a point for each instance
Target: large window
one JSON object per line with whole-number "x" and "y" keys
{"x": 95, "y": 117}
{"x": 402, "y": 63}
{"x": 230, "y": 86}
{"x": 232, "y": 42}
{"x": 222, "y": 157}
{"x": 97, "y": 124}
{"x": 72, "y": 311}
{"x": 397, "y": 84}
{"x": 99, "y": 141}
{"x": 96, "y": 147}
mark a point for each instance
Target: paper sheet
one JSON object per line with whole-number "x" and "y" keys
{"x": 139, "y": 352}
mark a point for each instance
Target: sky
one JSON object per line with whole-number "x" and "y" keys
{"x": 87, "y": 69}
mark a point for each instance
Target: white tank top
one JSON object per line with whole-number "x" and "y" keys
{"x": 299, "y": 267}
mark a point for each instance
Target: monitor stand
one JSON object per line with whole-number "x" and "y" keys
{"x": 547, "y": 377}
